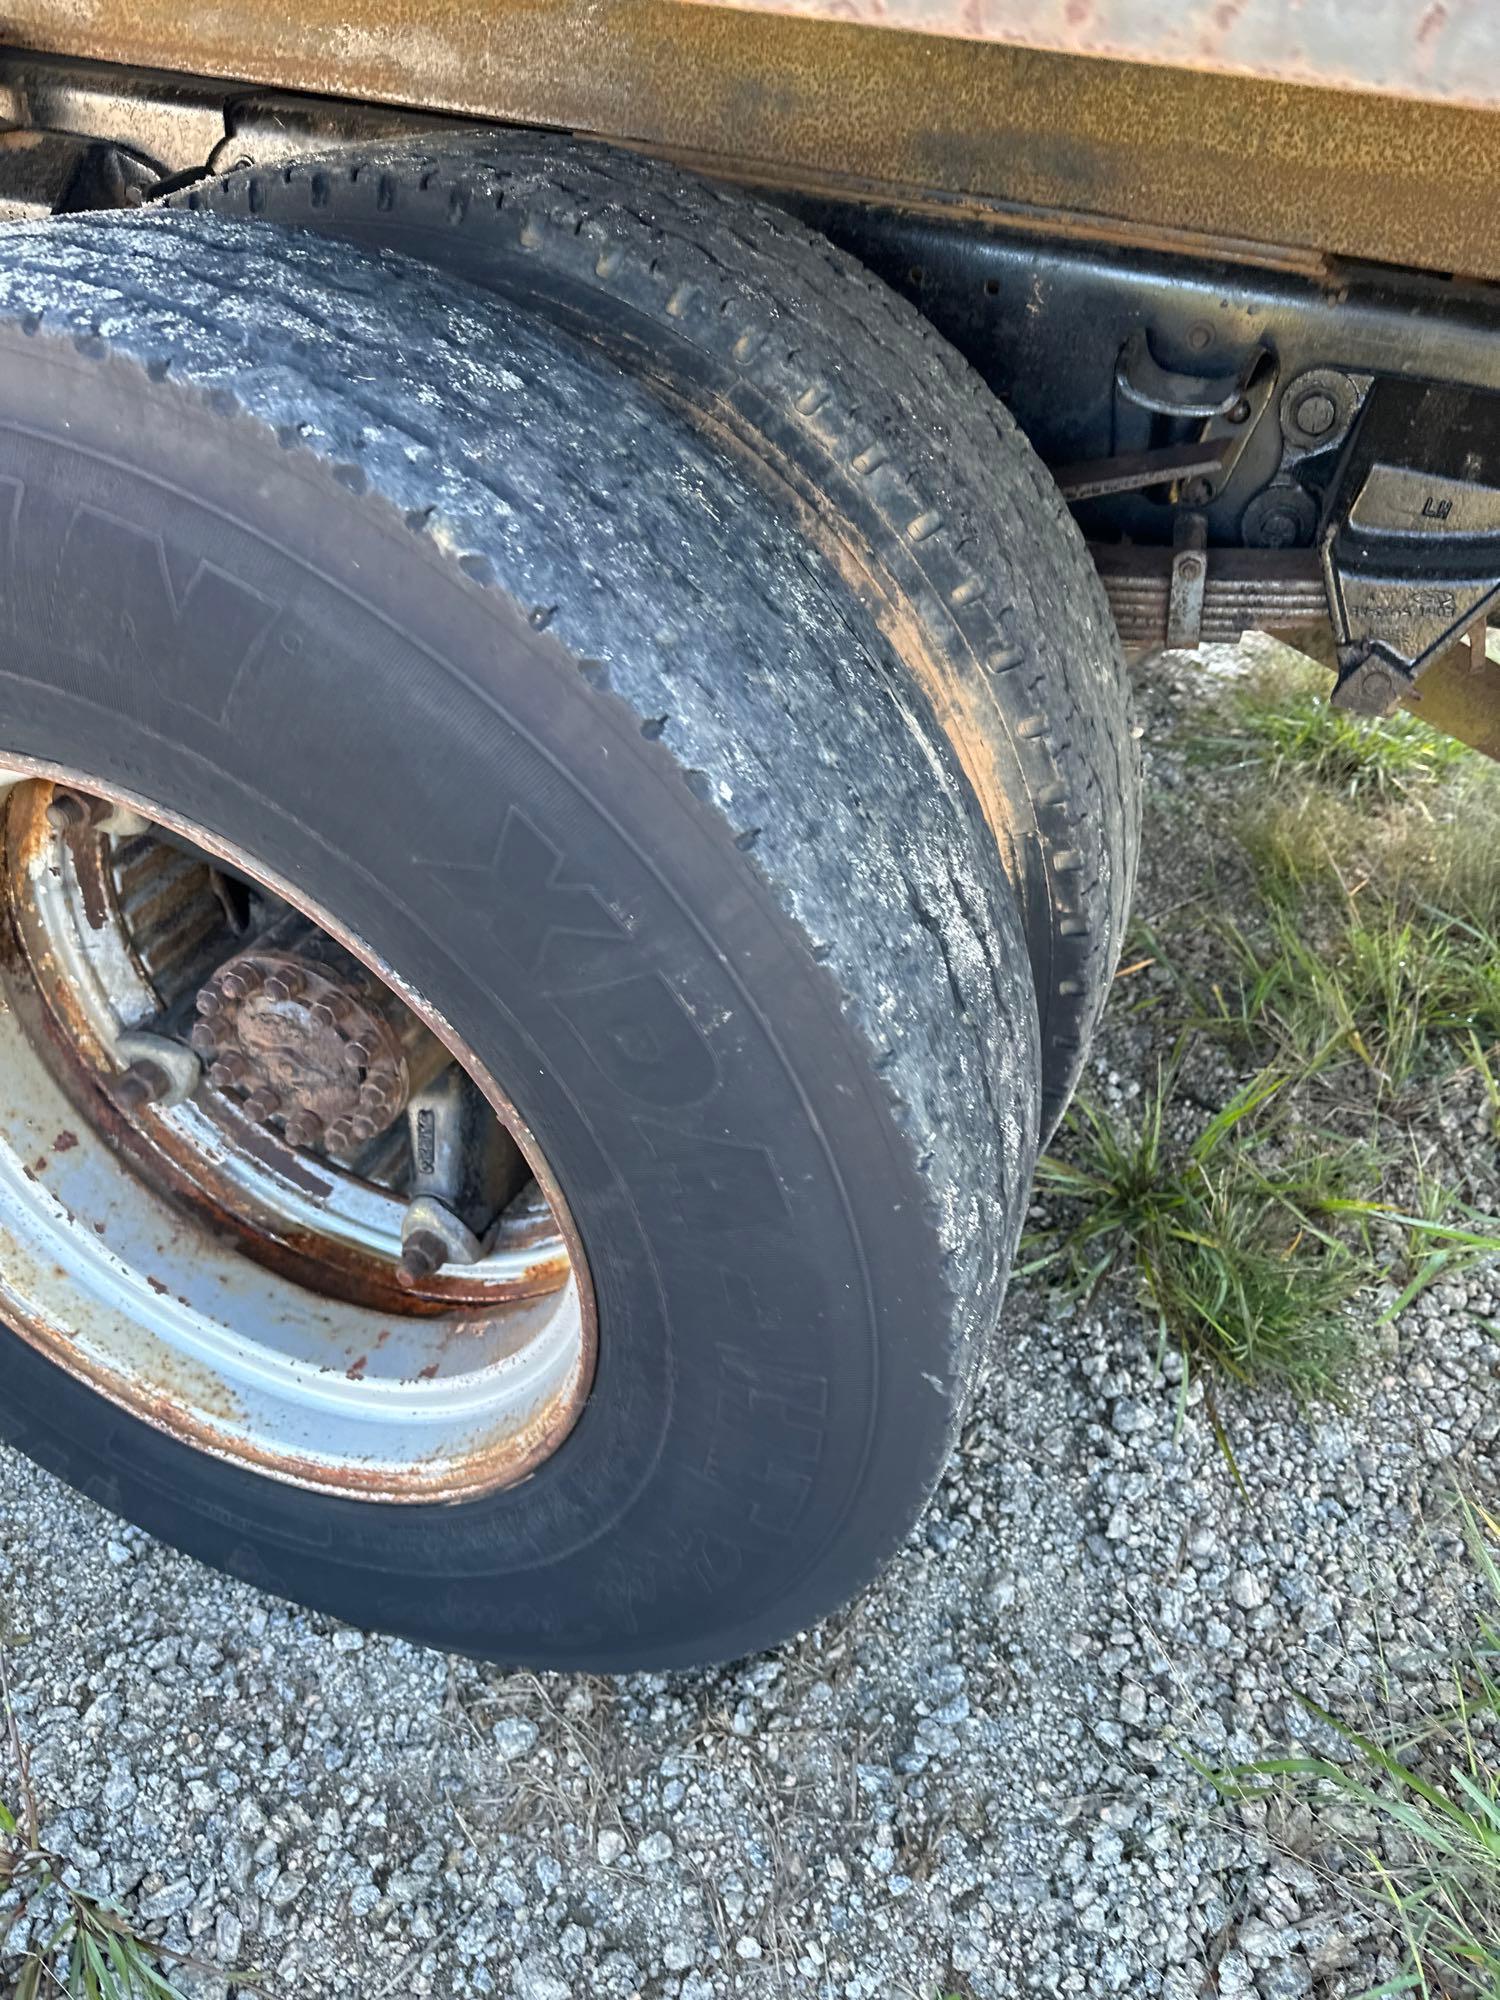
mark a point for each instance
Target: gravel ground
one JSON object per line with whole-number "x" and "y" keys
{"x": 975, "y": 1782}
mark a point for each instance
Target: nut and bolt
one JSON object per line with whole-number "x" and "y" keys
{"x": 1190, "y": 568}
{"x": 1197, "y": 493}
{"x": 339, "y": 1137}
{"x": 230, "y": 1070}
{"x": 304, "y": 1128}
{"x": 262, "y": 1104}
{"x": 284, "y": 983}
{"x": 143, "y": 1083}
{"x": 325, "y": 1013}
{"x": 208, "y": 1002}
{"x": 1316, "y": 413}
{"x": 240, "y": 981}
{"x": 423, "y": 1254}
{"x": 204, "y": 1037}
{"x": 68, "y": 811}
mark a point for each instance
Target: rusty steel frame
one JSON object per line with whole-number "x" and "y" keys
{"x": 1448, "y": 53}
{"x": 1144, "y": 148}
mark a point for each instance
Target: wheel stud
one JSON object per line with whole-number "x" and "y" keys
{"x": 143, "y": 1083}
{"x": 422, "y": 1255}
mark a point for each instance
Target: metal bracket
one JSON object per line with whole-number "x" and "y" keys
{"x": 1188, "y": 584}
{"x": 1411, "y": 546}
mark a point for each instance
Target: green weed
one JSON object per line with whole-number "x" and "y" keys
{"x": 89, "y": 1950}
{"x": 1282, "y": 721}
{"x": 1433, "y": 1794}
{"x": 1230, "y": 1238}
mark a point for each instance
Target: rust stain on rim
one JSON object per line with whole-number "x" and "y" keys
{"x": 184, "y": 1397}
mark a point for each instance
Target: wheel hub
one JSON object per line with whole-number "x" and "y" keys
{"x": 307, "y": 1046}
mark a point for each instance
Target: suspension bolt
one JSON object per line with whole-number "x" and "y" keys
{"x": 143, "y": 1083}
{"x": 284, "y": 983}
{"x": 422, "y": 1255}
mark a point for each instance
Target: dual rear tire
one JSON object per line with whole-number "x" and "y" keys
{"x": 728, "y": 792}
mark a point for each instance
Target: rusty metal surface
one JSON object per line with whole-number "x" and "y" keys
{"x": 1245, "y": 590}
{"x": 1444, "y": 50}
{"x": 1154, "y": 148}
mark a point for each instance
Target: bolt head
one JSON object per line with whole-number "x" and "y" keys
{"x": 285, "y": 983}
{"x": 240, "y": 981}
{"x": 422, "y": 1254}
{"x": 262, "y": 1104}
{"x": 1190, "y": 567}
{"x": 68, "y": 810}
{"x": 1316, "y": 413}
{"x": 304, "y": 1128}
{"x": 141, "y": 1084}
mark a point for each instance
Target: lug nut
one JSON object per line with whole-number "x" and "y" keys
{"x": 209, "y": 1002}
{"x": 262, "y": 1104}
{"x": 324, "y": 1013}
{"x": 204, "y": 1037}
{"x": 228, "y": 1071}
{"x": 143, "y": 1083}
{"x": 422, "y": 1255}
{"x": 304, "y": 1128}
{"x": 240, "y": 981}
{"x": 357, "y": 1054}
{"x": 339, "y": 1136}
{"x": 361, "y": 1128}
{"x": 284, "y": 983}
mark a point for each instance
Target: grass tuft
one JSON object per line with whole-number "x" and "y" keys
{"x": 1432, "y": 1794}
{"x": 1282, "y": 721}
{"x": 1232, "y": 1241}
{"x": 88, "y": 1949}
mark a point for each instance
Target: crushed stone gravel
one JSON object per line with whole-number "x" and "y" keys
{"x": 980, "y": 1780}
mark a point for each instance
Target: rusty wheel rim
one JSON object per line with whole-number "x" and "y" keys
{"x": 349, "y": 1271}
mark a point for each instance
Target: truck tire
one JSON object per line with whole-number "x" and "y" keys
{"x": 427, "y": 621}
{"x": 900, "y": 464}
